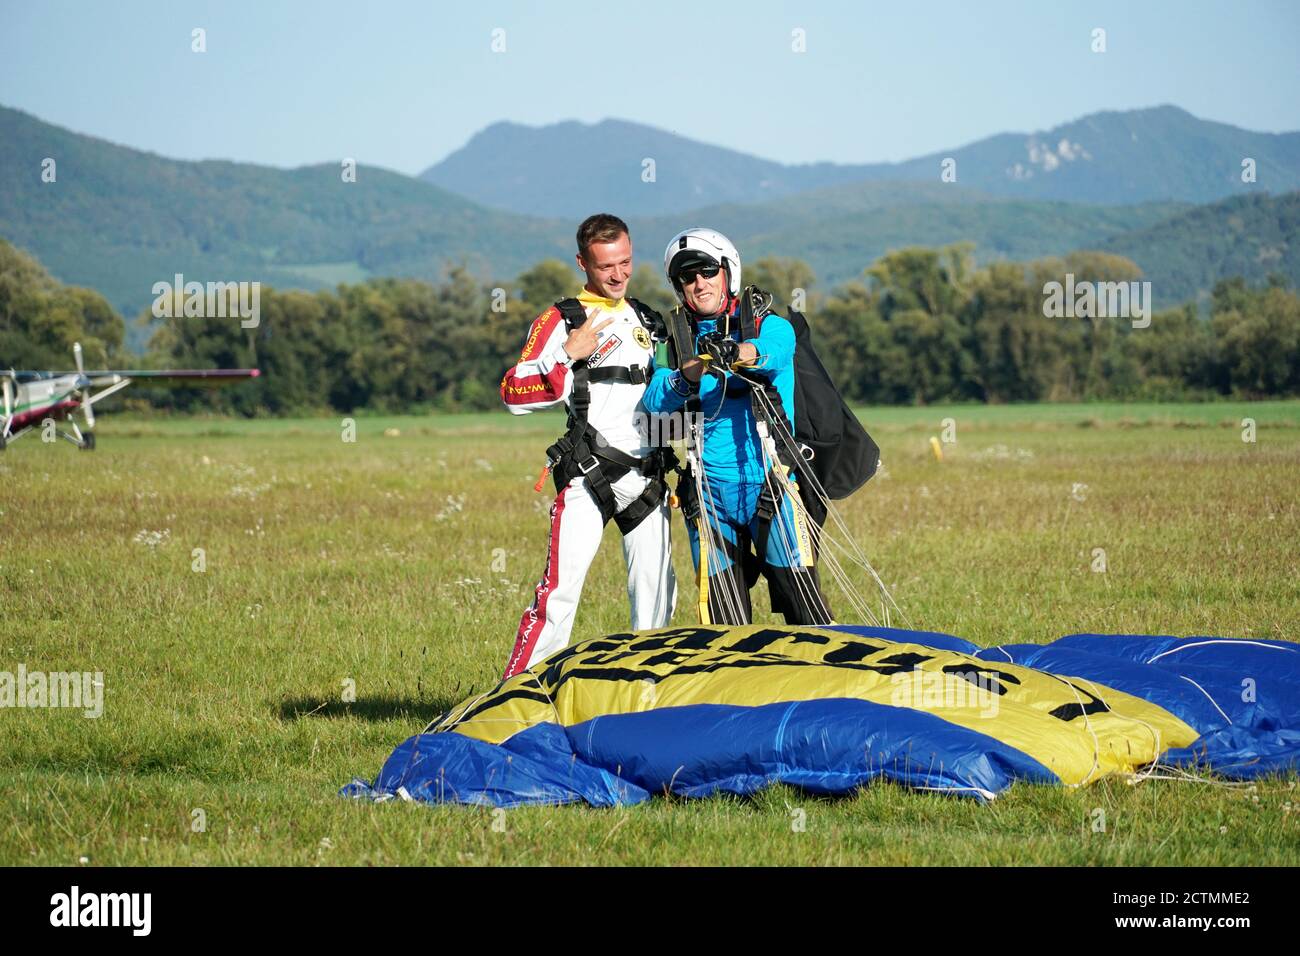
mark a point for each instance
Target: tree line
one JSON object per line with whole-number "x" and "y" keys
{"x": 921, "y": 326}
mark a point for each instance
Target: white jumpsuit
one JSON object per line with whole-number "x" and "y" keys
{"x": 542, "y": 379}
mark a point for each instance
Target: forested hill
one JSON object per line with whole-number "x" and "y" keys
{"x": 1249, "y": 236}
{"x": 118, "y": 219}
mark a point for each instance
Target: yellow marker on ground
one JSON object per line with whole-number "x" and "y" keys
{"x": 936, "y": 448}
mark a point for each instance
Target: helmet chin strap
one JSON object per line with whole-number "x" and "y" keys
{"x": 728, "y": 306}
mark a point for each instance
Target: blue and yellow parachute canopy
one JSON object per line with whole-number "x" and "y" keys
{"x": 702, "y": 709}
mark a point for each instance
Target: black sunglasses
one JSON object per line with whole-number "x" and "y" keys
{"x": 688, "y": 273}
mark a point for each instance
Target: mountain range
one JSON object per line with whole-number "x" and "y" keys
{"x": 568, "y": 169}
{"x": 1155, "y": 185}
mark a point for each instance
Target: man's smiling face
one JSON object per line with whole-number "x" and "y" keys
{"x": 703, "y": 294}
{"x": 608, "y": 266}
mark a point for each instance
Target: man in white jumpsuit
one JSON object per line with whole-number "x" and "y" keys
{"x": 595, "y": 353}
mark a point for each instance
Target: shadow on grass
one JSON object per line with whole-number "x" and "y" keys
{"x": 367, "y": 708}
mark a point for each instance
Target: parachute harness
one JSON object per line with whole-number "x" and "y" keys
{"x": 708, "y": 528}
{"x": 583, "y": 451}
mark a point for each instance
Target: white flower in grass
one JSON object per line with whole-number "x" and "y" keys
{"x": 1077, "y": 491}
{"x": 151, "y": 539}
{"x": 248, "y": 491}
{"x": 455, "y": 505}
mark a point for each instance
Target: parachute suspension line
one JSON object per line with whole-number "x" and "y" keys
{"x": 830, "y": 560}
{"x": 859, "y": 606}
{"x": 1179, "y": 775}
{"x": 846, "y": 586}
{"x": 549, "y": 699}
{"x": 697, "y": 476}
{"x": 1149, "y": 772}
{"x": 710, "y": 538}
{"x": 815, "y": 484}
{"x": 809, "y": 596}
{"x": 728, "y": 579}
{"x": 1096, "y": 744}
{"x": 702, "y": 580}
{"x": 732, "y": 579}
{"x": 841, "y": 578}
{"x": 812, "y": 601}
{"x": 845, "y": 540}
{"x": 831, "y": 563}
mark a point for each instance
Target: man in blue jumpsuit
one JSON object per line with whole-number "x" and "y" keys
{"x": 749, "y": 516}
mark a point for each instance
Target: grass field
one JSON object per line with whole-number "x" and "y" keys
{"x": 379, "y": 562}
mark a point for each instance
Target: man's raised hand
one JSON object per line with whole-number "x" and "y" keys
{"x": 582, "y": 340}
{"x": 724, "y": 351}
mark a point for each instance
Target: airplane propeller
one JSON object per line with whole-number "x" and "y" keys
{"x": 86, "y": 405}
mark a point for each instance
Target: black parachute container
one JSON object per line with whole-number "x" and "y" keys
{"x": 844, "y": 456}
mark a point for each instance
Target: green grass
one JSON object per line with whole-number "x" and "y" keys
{"x": 373, "y": 562}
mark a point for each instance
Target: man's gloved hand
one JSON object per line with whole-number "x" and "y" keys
{"x": 724, "y": 351}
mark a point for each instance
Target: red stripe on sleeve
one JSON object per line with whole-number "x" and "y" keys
{"x": 527, "y": 389}
{"x": 540, "y": 331}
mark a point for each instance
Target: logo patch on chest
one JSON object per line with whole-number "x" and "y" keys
{"x": 604, "y": 351}
{"x": 641, "y": 337}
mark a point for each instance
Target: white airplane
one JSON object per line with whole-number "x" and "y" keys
{"x": 32, "y": 398}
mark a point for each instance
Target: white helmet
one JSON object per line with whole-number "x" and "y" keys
{"x": 701, "y": 245}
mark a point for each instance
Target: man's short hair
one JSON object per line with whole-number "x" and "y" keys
{"x": 602, "y": 227}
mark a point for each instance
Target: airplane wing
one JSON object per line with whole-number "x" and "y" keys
{"x": 173, "y": 377}
{"x": 161, "y": 376}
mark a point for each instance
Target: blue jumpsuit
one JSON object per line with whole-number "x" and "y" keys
{"x": 734, "y": 475}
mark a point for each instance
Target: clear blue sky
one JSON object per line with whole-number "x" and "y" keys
{"x": 401, "y": 85}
